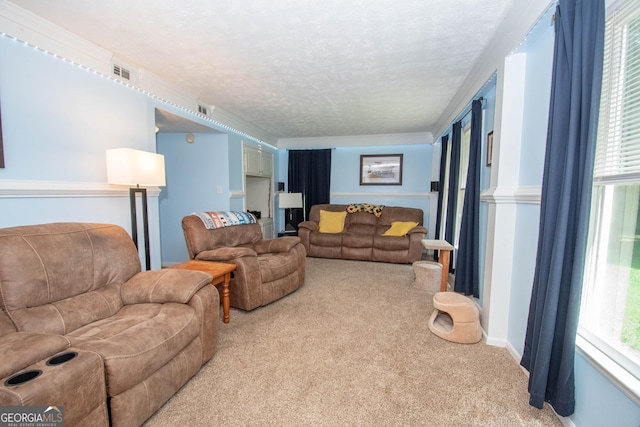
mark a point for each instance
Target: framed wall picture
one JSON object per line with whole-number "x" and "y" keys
{"x": 489, "y": 147}
{"x": 381, "y": 169}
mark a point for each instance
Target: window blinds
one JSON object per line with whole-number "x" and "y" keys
{"x": 618, "y": 142}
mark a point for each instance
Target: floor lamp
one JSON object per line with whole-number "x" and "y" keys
{"x": 126, "y": 166}
{"x": 289, "y": 201}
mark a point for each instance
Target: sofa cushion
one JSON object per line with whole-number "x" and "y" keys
{"x": 55, "y": 278}
{"x": 138, "y": 340}
{"x": 391, "y": 243}
{"x": 200, "y": 239}
{"x": 352, "y": 240}
{"x": 400, "y": 228}
{"x": 326, "y": 239}
{"x": 360, "y": 229}
{"x": 332, "y": 222}
{"x": 276, "y": 266}
{"x": 62, "y": 317}
{"x": 6, "y": 325}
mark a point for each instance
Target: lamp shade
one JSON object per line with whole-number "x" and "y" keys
{"x": 126, "y": 166}
{"x": 289, "y": 200}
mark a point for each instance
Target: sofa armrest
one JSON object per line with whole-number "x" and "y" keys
{"x": 309, "y": 225}
{"x": 21, "y": 349}
{"x": 418, "y": 229}
{"x": 162, "y": 286}
{"x": 281, "y": 244}
{"x": 228, "y": 253}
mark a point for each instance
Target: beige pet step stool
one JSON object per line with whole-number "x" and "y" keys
{"x": 462, "y": 325}
{"x": 427, "y": 276}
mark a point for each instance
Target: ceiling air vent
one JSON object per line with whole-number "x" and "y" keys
{"x": 205, "y": 110}
{"x": 121, "y": 72}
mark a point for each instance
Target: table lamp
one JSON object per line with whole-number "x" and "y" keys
{"x": 289, "y": 201}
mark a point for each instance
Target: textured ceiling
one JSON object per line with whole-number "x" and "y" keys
{"x": 298, "y": 68}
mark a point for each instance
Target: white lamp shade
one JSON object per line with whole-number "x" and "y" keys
{"x": 126, "y": 166}
{"x": 289, "y": 200}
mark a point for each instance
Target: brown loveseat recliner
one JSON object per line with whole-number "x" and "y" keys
{"x": 362, "y": 237}
{"x": 266, "y": 270}
{"x": 126, "y": 340}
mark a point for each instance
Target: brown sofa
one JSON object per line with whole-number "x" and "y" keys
{"x": 362, "y": 237}
{"x": 126, "y": 340}
{"x": 266, "y": 270}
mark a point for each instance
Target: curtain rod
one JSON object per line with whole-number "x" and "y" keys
{"x": 466, "y": 110}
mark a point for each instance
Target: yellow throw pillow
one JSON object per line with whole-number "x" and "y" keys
{"x": 399, "y": 228}
{"x": 332, "y": 222}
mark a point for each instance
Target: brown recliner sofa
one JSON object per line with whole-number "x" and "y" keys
{"x": 109, "y": 343}
{"x": 266, "y": 269}
{"x": 362, "y": 237}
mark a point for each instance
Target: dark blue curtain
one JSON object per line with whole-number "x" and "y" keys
{"x": 454, "y": 178}
{"x": 444, "y": 146}
{"x": 549, "y": 350}
{"x": 309, "y": 174}
{"x": 467, "y": 269}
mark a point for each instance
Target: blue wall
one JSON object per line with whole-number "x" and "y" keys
{"x": 195, "y": 174}
{"x": 345, "y": 176}
{"x": 58, "y": 119}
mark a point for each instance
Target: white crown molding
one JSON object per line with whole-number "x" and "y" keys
{"x": 236, "y": 123}
{"x": 24, "y": 26}
{"x": 153, "y": 84}
{"x": 415, "y": 138}
{"x": 520, "y": 19}
{"x": 40, "y": 189}
{"x": 511, "y": 195}
{"x": 379, "y": 195}
{"x": 31, "y": 29}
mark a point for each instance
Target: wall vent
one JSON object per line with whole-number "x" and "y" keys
{"x": 204, "y": 109}
{"x": 120, "y": 71}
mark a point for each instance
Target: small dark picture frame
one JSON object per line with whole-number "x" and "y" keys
{"x": 381, "y": 169}
{"x": 489, "y": 148}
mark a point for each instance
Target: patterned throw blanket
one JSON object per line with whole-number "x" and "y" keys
{"x": 213, "y": 220}
{"x": 365, "y": 207}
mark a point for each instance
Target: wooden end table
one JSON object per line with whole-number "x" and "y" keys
{"x": 445, "y": 249}
{"x": 221, "y": 273}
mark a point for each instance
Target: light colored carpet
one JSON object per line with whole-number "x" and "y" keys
{"x": 351, "y": 348}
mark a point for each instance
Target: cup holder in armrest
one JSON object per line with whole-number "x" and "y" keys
{"x": 61, "y": 358}
{"x": 22, "y": 377}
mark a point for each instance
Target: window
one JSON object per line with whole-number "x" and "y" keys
{"x": 445, "y": 189}
{"x": 610, "y": 311}
{"x": 465, "y": 140}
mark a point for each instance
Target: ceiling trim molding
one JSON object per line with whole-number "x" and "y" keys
{"x": 416, "y": 138}
{"x": 223, "y": 116}
{"x": 39, "y": 189}
{"x": 520, "y": 19}
{"x": 30, "y": 29}
{"x": 35, "y": 31}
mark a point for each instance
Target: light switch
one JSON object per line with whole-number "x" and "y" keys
{"x": 219, "y": 189}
